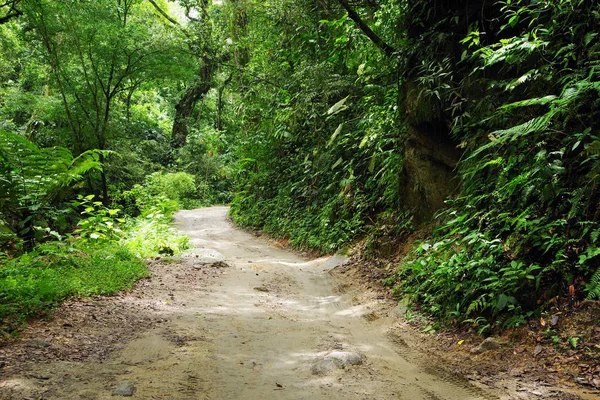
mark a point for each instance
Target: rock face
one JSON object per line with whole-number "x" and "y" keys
{"x": 490, "y": 343}
{"x": 125, "y": 389}
{"x": 429, "y": 165}
{"x": 337, "y": 360}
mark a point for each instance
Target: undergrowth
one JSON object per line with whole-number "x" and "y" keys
{"x": 151, "y": 233}
{"x": 36, "y": 282}
{"x": 524, "y": 230}
{"x": 323, "y": 228}
{"x": 104, "y": 255}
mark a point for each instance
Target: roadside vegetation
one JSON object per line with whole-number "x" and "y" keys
{"x": 472, "y": 123}
{"x": 79, "y": 247}
{"x": 477, "y": 120}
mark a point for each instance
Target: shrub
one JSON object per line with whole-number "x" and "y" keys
{"x": 151, "y": 235}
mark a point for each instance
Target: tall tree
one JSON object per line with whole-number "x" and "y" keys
{"x": 200, "y": 37}
{"x": 97, "y": 51}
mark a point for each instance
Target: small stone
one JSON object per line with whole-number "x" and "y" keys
{"x": 323, "y": 367}
{"x": 490, "y": 343}
{"x": 125, "y": 389}
{"x": 346, "y": 357}
{"x": 581, "y": 380}
{"x": 337, "y": 360}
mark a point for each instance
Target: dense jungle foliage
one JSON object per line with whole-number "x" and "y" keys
{"x": 323, "y": 122}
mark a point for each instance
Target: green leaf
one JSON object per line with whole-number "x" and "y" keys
{"x": 338, "y": 162}
{"x": 335, "y": 134}
{"x": 589, "y": 37}
{"x": 501, "y": 302}
{"x": 338, "y": 107}
{"x": 361, "y": 69}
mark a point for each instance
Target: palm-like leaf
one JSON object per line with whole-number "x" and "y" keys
{"x": 31, "y": 177}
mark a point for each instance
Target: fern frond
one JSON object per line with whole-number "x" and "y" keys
{"x": 537, "y": 101}
{"x": 593, "y": 149}
{"x": 478, "y": 305}
{"x": 594, "y": 286}
{"x": 36, "y": 175}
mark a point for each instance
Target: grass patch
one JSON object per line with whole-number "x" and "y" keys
{"x": 106, "y": 256}
{"x": 38, "y": 281}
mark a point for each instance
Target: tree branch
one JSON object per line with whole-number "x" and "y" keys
{"x": 163, "y": 13}
{"x": 379, "y": 42}
{"x": 12, "y": 11}
{"x": 8, "y": 17}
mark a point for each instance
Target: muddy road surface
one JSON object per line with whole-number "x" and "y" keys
{"x": 237, "y": 317}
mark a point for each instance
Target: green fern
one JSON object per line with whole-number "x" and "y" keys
{"x": 594, "y": 286}
{"x": 593, "y": 149}
{"x": 479, "y": 305}
{"x": 32, "y": 177}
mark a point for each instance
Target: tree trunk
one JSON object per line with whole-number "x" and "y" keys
{"x": 183, "y": 112}
{"x": 240, "y": 31}
{"x": 220, "y": 103}
{"x": 185, "y": 108}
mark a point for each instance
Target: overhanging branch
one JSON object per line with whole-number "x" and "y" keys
{"x": 163, "y": 13}
{"x": 379, "y": 42}
{"x": 12, "y": 11}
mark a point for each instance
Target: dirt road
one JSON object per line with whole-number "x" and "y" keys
{"x": 235, "y": 318}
